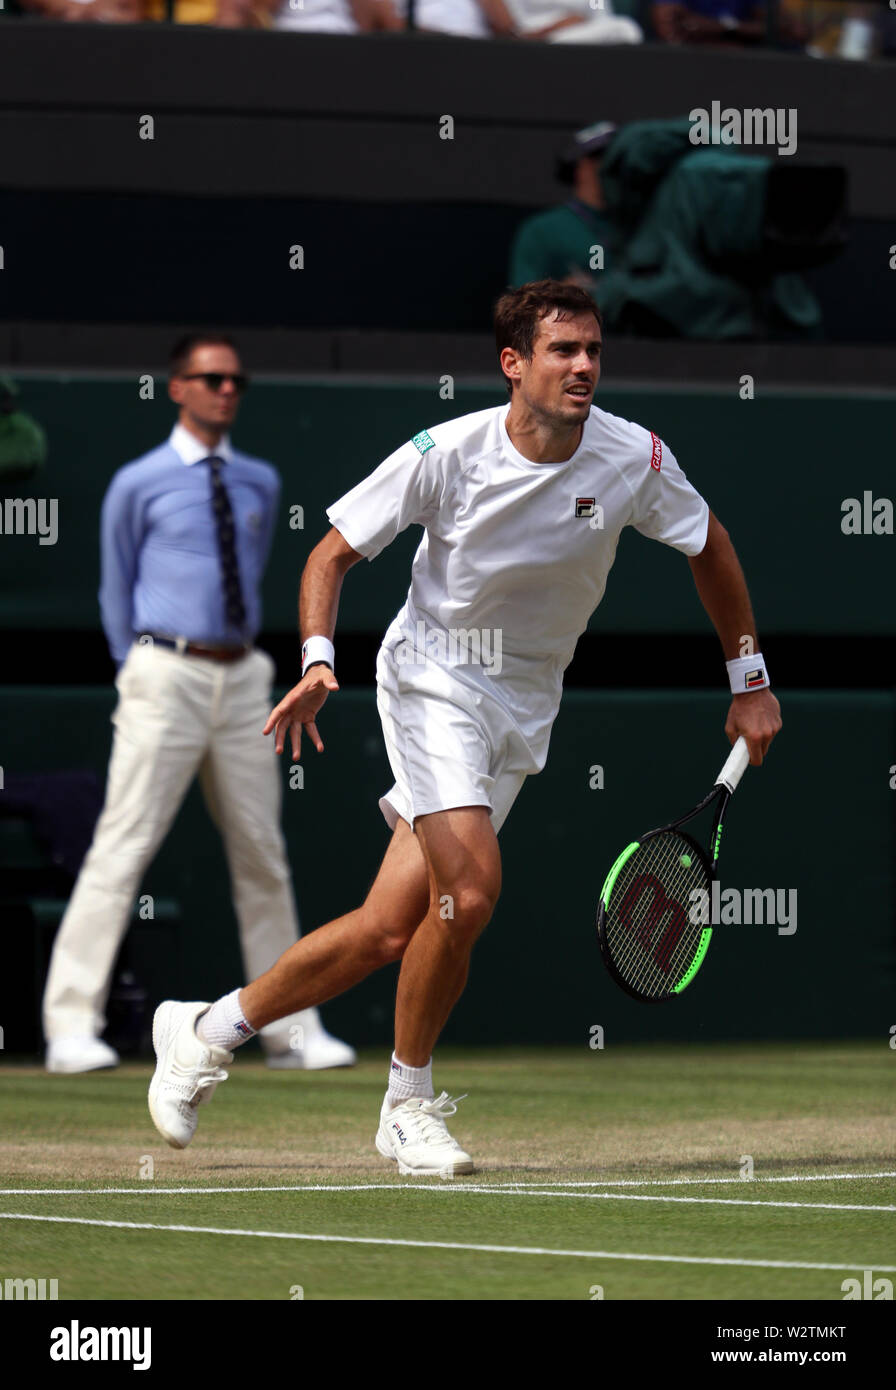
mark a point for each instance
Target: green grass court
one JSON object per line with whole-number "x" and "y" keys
{"x": 618, "y": 1168}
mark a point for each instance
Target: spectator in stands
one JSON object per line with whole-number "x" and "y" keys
{"x": 888, "y": 33}
{"x": 23, "y": 443}
{"x": 573, "y": 21}
{"x": 836, "y": 28}
{"x": 186, "y": 531}
{"x": 79, "y": 11}
{"x": 559, "y": 243}
{"x": 236, "y": 14}
{"x": 232, "y": 13}
{"x": 709, "y": 21}
{"x": 471, "y": 19}
{"x": 557, "y": 21}
{"x": 322, "y": 16}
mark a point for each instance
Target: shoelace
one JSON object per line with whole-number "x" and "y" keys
{"x": 432, "y": 1115}
{"x": 208, "y": 1078}
{"x": 192, "y": 1081}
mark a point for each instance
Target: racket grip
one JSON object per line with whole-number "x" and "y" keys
{"x": 736, "y": 765}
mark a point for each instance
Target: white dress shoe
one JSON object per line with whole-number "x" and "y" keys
{"x": 79, "y": 1053}
{"x": 312, "y": 1051}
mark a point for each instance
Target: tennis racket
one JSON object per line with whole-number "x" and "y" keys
{"x": 653, "y": 922}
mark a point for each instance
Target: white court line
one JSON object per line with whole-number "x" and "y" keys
{"x": 150, "y": 1191}
{"x": 505, "y": 1188}
{"x": 696, "y": 1201}
{"x": 450, "y": 1245}
{"x": 699, "y": 1182}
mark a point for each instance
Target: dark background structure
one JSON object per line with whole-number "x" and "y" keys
{"x": 113, "y": 244}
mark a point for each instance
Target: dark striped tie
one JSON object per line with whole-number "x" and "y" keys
{"x": 230, "y": 570}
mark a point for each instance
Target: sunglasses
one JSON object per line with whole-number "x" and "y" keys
{"x": 215, "y": 380}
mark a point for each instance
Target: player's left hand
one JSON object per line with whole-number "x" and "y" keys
{"x": 757, "y": 715}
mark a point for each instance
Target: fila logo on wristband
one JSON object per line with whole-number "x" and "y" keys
{"x": 318, "y": 649}
{"x": 747, "y": 673}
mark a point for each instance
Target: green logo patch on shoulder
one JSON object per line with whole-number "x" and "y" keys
{"x": 422, "y": 442}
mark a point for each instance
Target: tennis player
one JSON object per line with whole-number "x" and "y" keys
{"x": 522, "y": 508}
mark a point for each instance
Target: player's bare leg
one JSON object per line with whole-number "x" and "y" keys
{"x": 341, "y": 953}
{"x": 194, "y": 1043}
{"x": 452, "y": 863}
{"x": 464, "y": 866}
{"x": 436, "y": 890}
{"x": 464, "y": 869}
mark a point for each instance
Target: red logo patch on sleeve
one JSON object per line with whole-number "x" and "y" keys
{"x": 656, "y": 457}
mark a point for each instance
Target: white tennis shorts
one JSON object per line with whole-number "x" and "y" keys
{"x": 450, "y": 741}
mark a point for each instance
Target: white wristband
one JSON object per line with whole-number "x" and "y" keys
{"x": 318, "y": 649}
{"x": 747, "y": 673}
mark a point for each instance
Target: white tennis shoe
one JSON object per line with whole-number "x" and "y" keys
{"x": 186, "y": 1074}
{"x": 415, "y": 1135}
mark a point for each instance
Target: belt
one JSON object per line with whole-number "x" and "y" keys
{"x": 180, "y": 644}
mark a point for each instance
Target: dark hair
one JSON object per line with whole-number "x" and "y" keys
{"x": 518, "y": 313}
{"x": 186, "y": 345}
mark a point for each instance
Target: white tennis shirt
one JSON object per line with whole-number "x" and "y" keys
{"x": 516, "y": 551}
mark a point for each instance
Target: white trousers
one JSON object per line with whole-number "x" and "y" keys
{"x": 177, "y": 716}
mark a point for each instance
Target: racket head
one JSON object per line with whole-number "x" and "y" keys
{"x": 653, "y": 936}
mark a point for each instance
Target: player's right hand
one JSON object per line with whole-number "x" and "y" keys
{"x": 298, "y": 710}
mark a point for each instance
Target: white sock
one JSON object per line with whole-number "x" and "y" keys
{"x": 408, "y": 1083}
{"x": 224, "y": 1024}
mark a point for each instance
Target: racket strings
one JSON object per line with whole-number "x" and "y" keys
{"x": 653, "y": 922}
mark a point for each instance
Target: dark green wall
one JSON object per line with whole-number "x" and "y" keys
{"x": 775, "y": 470}
{"x": 819, "y": 817}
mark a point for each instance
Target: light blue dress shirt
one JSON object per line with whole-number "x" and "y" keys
{"x": 161, "y": 567}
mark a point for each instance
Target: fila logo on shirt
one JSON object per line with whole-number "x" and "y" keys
{"x": 589, "y": 507}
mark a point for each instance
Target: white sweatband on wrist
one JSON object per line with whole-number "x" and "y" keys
{"x": 747, "y": 673}
{"x": 318, "y": 649}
